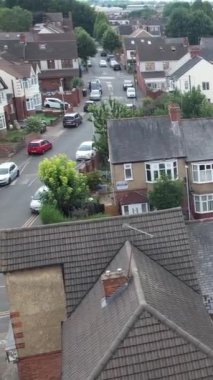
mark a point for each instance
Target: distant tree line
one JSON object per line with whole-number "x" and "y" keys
{"x": 105, "y": 34}
{"x": 189, "y": 20}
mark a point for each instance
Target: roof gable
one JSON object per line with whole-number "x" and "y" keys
{"x": 185, "y": 68}
{"x": 150, "y": 320}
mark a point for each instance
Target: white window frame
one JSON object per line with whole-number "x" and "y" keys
{"x": 128, "y": 167}
{"x": 2, "y": 122}
{"x": 30, "y": 104}
{"x": 203, "y": 203}
{"x": 202, "y": 176}
{"x": 37, "y": 100}
{"x": 154, "y": 167}
{"x": 144, "y": 206}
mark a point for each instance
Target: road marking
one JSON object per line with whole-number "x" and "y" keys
{"x": 4, "y": 314}
{"x": 106, "y": 78}
{"x": 25, "y": 164}
{"x": 31, "y": 182}
{"x": 30, "y": 221}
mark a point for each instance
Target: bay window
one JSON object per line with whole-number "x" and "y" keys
{"x": 202, "y": 172}
{"x": 30, "y": 105}
{"x": 155, "y": 170}
{"x": 2, "y": 121}
{"x": 203, "y": 203}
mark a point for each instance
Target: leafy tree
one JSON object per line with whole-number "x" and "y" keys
{"x": 85, "y": 43}
{"x": 100, "y": 19}
{"x": 178, "y": 23}
{"x": 195, "y": 104}
{"x": 100, "y": 30}
{"x": 100, "y": 114}
{"x": 204, "y": 6}
{"x": 33, "y": 124}
{"x": 200, "y": 25}
{"x": 83, "y": 15}
{"x": 166, "y": 193}
{"x": 15, "y": 19}
{"x": 77, "y": 82}
{"x": 111, "y": 40}
{"x": 67, "y": 188}
{"x": 145, "y": 13}
{"x": 171, "y": 7}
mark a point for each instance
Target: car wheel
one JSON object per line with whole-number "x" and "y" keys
{"x": 18, "y": 173}
{"x": 9, "y": 181}
{"x": 47, "y": 106}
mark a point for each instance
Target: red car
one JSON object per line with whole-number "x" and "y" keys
{"x": 39, "y": 146}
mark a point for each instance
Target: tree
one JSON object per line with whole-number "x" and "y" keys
{"x": 195, "y": 104}
{"x": 111, "y": 40}
{"x": 85, "y": 43}
{"x": 67, "y": 188}
{"x": 171, "y": 7}
{"x": 15, "y": 19}
{"x": 178, "y": 23}
{"x": 101, "y": 114}
{"x": 100, "y": 30}
{"x": 200, "y": 25}
{"x": 83, "y": 16}
{"x": 100, "y": 19}
{"x": 166, "y": 193}
{"x": 33, "y": 124}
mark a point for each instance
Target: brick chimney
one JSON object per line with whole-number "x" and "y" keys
{"x": 174, "y": 112}
{"x": 22, "y": 38}
{"x": 194, "y": 51}
{"x": 113, "y": 281}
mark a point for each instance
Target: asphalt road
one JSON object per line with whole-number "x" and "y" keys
{"x": 15, "y": 199}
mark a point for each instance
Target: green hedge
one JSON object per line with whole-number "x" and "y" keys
{"x": 50, "y": 214}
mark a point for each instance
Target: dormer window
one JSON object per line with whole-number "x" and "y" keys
{"x": 50, "y": 64}
{"x": 42, "y": 46}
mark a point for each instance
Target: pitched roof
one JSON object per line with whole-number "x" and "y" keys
{"x": 85, "y": 248}
{"x": 18, "y": 70}
{"x": 159, "y": 49}
{"x": 153, "y": 74}
{"x": 35, "y": 51}
{"x": 140, "y": 33}
{"x": 144, "y": 139}
{"x": 206, "y": 48}
{"x": 198, "y": 133}
{"x": 125, "y": 30}
{"x": 201, "y": 241}
{"x": 185, "y": 67}
{"x": 142, "y": 331}
{"x": 65, "y": 73}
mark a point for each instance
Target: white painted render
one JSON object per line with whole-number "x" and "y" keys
{"x": 75, "y": 63}
{"x": 201, "y": 73}
{"x": 43, "y": 65}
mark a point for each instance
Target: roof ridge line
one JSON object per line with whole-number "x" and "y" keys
{"x": 98, "y": 369}
{"x": 190, "y": 338}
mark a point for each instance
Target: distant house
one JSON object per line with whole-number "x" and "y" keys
{"x": 141, "y": 149}
{"x": 155, "y": 58}
{"x": 196, "y": 72}
{"x": 3, "y": 104}
{"x": 107, "y": 299}
{"x": 23, "y": 93}
{"x": 51, "y": 46}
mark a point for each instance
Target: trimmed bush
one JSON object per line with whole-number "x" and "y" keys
{"x": 50, "y": 214}
{"x": 93, "y": 180}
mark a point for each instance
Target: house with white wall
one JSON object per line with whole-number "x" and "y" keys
{"x": 3, "y": 104}
{"x": 196, "y": 72}
{"x": 23, "y": 90}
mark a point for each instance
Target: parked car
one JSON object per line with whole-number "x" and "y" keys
{"x": 36, "y": 202}
{"x": 55, "y": 103}
{"x": 89, "y": 63}
{"x": 95, "y": 84}
{"x": 95, "y": 95}
{"x": 130, "y": 92}
{"x": 87, "y": 104}
{"x": 103, "y": 53}
{"x": 39, "y": 146}
{"x": 117, "y": 67}
{"x": 8, "y": 172}
{"x": 86, "y": 151}
{"x": 103, "y": 63}
{"x": 112, "y": 63}
{"x": 127, "y": 83}
{"x": 109, "y": 57}
{"x": 73, "y": 119}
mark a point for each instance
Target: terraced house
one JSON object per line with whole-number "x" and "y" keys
{"x": 141, "y": 149}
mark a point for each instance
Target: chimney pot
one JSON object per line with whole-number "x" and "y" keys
{"x": 174, "y": 112}
{"x": 113, "y": 281}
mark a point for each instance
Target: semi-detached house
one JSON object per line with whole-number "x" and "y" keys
{"x": 142, "y": 149}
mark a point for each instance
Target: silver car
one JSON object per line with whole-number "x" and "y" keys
{"x": 95, "y": 95}
{"x": 8, "y": 172}
{"x": 36, "y": 202}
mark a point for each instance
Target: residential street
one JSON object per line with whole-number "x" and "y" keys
{"x": 15, "y": 199}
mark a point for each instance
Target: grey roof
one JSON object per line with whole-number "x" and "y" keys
{"x": 85, "y": 248}
{"x": 153, "y": 74}
{"x": 185, "y": 67}
{"x": 63, "y": 73}
{"x": 206, "y": 48}
{"x": 201, "y": 241}
{"x": 144, "y": 139}
{"x": 34, "y": 51}
{"x": 198, "y": 133}
{"x": 158, "y": 49}
{"x": 125, "y": 30}
{"x": 155, "y": 328}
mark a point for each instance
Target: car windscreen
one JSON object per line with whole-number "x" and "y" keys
{"x": 69, "y": 118}
{"x": 34, "y": 144}
{"x": 95, "y": 86}
{"x": 85, "y": 147}
{"x": 3, "y": 171}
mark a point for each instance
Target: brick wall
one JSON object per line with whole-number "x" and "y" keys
{"x": 40, "y": 367}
